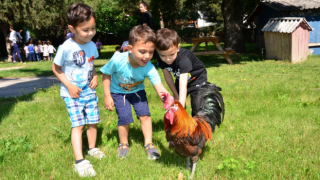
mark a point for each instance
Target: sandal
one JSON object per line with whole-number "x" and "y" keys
{"x": 152, "y": 151}
{"x": 123, "y": 150}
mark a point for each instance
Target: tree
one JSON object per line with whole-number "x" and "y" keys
{"x": 112, "y": 17}
{"x": 233, "y": 25}
{"x": 41, "y": 17}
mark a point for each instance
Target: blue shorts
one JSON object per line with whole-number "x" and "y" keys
{"x": 51, "y": 55}
{"x": 83, "y": 110}
{"x": 122, "y": 103}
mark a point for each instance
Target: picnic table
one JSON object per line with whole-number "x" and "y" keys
{"x": 197, "y": 41}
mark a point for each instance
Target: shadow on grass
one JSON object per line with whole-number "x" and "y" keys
{"x": 13, "y": 91}
{"x": 169, "y": 157}
{"x": 252, "y": 54}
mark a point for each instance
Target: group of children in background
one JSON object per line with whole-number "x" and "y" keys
{"x": 38, "y": 50}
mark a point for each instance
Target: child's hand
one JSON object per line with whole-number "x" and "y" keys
{"x": 108, "y": 103}
{"x": 74, "y": 91}
{"x": 94, "y": 82}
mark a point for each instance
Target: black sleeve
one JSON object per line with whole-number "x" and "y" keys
{"x": 145, "y": 18}
{"x": 185, "y": 65}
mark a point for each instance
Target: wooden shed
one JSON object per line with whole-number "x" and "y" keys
{"x": 287, "y": 39}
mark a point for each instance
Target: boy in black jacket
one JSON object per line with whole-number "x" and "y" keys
{"x": 189, "y": 71}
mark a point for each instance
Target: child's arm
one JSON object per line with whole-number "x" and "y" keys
{"x": 160, "y": 89}
{"x": 183, "y": 82}
{"x": 94, "y": 81}
{"x": 74, "y": 90}
{"x": 169, "y": 80}
{"x": 54, "y": 49}
{"x": 108, "y": 101}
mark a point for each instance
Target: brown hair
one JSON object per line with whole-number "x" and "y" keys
{"x": 145, "y": 5}
{"x": 141, "y": 33}
{"x": 166, "y": 38}
{"x": 78, "y": 13}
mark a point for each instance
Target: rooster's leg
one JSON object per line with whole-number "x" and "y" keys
{"x": 193, "y": 170}
{"x": 188, "y": 163}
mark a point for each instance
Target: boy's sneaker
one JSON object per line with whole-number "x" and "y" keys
{"x": 152, "y": 151}
{"x": 123, "y": 150}
{"x": 97, "y": 153}
{"x": 84, "y": 169}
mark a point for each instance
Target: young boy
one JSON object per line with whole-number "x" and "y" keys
{"x": 189, "y": 71}
{"x": 123, "y": 78}
{"x": 73, "y": 65}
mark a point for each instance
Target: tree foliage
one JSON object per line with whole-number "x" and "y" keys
{"x": 114, "y": 18}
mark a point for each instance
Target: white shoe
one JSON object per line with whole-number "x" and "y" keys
{"x": 97, "y": 153}
{"x": 84, "y": 169}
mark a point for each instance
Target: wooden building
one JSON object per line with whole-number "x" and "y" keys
{"x": 287, "y": 39}
{"x": 308, "y": 9}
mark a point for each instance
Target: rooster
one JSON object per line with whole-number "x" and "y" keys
{"x": 186, "y": 134}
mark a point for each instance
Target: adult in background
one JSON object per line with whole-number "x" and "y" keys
{"x": 146, "y": 18}
{"x": 14, "y": 38}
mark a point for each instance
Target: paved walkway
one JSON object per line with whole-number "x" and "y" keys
{"x": 1, "y": 69}
{"x": 12, "y": 87}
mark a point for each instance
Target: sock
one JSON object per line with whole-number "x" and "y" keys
{"x": 79, "y": 161}
{"x": 90, "y": 149}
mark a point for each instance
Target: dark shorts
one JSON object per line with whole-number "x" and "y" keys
{"x": 122, "y": 103}
{"x": 51, "y": 55}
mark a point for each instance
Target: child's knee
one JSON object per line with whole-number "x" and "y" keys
{"x": 145, "y": 118}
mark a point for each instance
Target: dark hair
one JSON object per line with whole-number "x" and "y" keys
{"x": 78, "y": 13}
{"x": 141, "y": 33}
{"x": 49, "y": 42}
{"x": 166, "y": 38}
{"x": 44, "y": 42}
{"x": 117, "y": 48}
{"x": 145, "y": 5}
{"x": 11, "y": 27}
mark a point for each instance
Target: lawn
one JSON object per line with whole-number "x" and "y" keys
{"x": 270, "y": 131}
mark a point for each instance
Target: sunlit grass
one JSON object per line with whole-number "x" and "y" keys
{"x": 270, "y": 131}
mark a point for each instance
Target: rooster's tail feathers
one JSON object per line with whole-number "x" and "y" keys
{"x": 210, "y": 105}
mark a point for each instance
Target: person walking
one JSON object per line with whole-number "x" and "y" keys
{"x": 15, "y": 37}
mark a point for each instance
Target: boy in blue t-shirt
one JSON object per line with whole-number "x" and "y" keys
{"x": 123, "y": 78}
{"x": 73, "y": 65}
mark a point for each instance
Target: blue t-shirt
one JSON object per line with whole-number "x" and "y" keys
{"x": 30, "y": 48}
{"x": 76, "y": 61}
{"x": 124, "y": 78}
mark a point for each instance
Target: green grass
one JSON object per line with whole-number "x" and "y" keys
{"x": 270, "y": 131}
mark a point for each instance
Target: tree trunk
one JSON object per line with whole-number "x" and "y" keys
{"x": 161, "y": 21}
{"x": 233, "y": 25}
{"x": 5, "y": 29}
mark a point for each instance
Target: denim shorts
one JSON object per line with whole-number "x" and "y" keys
{"x": 51, "y": 55}
{"x": 83, "y": 110}
{"x": 122, "y": 103}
